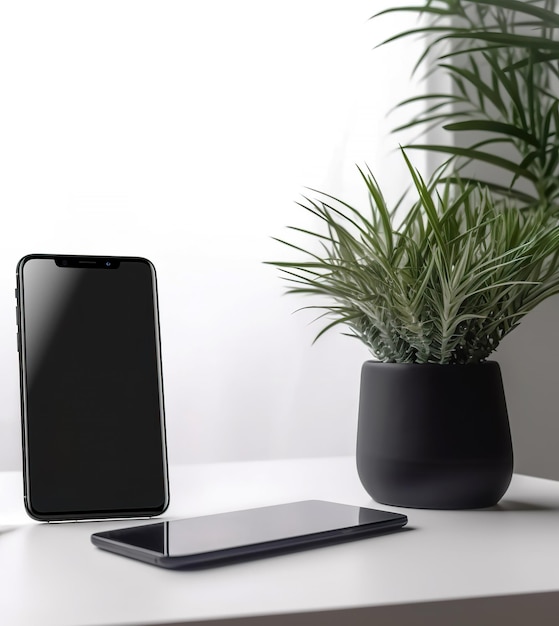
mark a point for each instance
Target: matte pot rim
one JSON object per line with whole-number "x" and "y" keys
{"x": 373, "y": 363}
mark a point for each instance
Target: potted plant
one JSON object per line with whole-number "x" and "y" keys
{"x": 431, "y": 296}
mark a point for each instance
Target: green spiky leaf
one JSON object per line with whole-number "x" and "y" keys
{"x": 444, "y": 285}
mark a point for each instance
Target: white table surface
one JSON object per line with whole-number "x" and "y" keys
{"x": 492, "y": 566}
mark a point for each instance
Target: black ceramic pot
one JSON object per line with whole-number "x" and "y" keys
{"x": 434, "y": 436}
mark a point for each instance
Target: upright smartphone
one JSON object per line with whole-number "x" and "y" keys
{"x": 91, "y": 388}
{"x": 227, "y": 537}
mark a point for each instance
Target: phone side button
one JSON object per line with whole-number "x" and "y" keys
{"x": 18, "y": 341}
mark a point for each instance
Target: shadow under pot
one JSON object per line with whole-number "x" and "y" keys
{"x": 434, "y": 436}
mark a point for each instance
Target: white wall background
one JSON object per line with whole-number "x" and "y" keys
{"x": 184, "y": 131}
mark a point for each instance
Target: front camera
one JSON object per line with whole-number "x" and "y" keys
{"x": 64, "y": 262}
{"x": 107, "y": 264}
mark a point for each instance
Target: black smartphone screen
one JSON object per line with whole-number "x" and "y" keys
{"x": 91, "y": 387}
{"x": 215, "y": 539}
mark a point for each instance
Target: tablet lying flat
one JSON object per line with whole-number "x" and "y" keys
{"x": 238, "y": 535}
